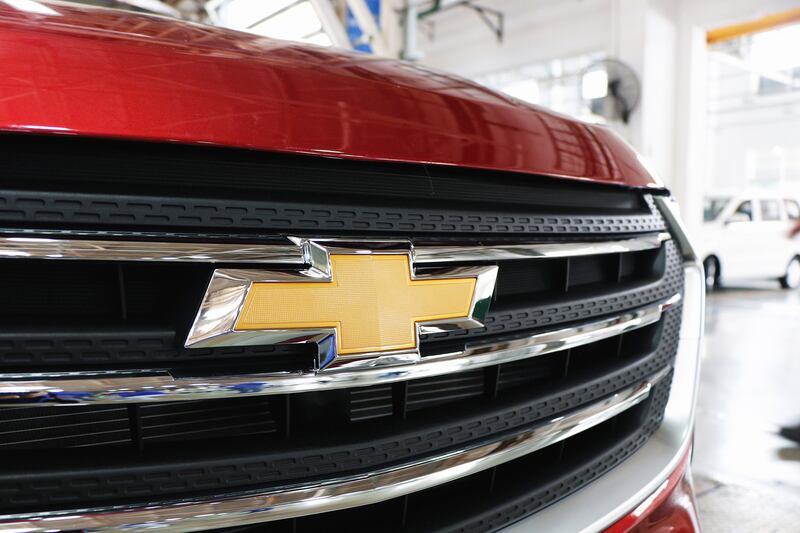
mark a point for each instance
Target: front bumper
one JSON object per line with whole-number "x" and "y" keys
{"x": 672, "y": 507}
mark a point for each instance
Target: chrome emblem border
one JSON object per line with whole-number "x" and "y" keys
{"x": 223, "y": 303}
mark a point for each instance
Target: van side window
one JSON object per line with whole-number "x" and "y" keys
{"x": 770, "y": 210}
{"x": 792, "y": 209}
{"x": 745, "y": 208}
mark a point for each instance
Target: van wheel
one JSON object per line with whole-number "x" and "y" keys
{"x": 711, "y": 267}
{"x": 791, "y": 280}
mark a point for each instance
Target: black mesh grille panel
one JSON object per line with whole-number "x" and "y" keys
{"x": 96, "y": 316}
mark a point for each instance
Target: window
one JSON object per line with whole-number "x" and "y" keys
{"x": 746, "y": 209}
{"x": 770, "y": 210}
{"x": 712, "y": 207}
{"x": 557, "y": 84}
{"x": 792, "y": 209}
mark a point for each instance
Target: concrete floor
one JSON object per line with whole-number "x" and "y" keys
{"x": 747, "y": 476}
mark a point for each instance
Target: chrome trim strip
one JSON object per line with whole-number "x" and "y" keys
{"x": 670, "y": 211}
{"x": 292, "y": 251}
{"x": 179, "y": 252}
{"x": 157, "y": 385}
{"x": 342, "y": 493}
{"x": 549, "y": 250}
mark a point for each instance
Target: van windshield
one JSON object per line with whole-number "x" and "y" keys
{"x": 712, "y": 207}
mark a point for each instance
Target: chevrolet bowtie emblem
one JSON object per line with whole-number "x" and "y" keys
{"x": 362, "y": 304}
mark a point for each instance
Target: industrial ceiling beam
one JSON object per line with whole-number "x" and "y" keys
{"x": 331, "y": 23}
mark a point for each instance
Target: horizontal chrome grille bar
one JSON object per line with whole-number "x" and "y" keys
{"x": 443, "y": 254}
{"x": 292, "y": 252}
{"x": 177, "y": 252}
{"x": 342, "y": 493}
{"x": 150, "y": 385}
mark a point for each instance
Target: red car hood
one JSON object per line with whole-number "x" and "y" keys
{"x": 97, "y": 72}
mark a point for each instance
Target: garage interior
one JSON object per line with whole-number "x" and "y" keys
{"x": 708, "y": 91}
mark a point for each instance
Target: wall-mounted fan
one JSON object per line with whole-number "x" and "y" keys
{"x": 611, "y": 88}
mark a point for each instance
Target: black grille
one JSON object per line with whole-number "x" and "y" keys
{"x": 309, "y": 436}
{"x": 81, "y": 184}
{"x": 83, "y": 316}
{"x": 496, "y": 498}
{"x": 58, "y": 316}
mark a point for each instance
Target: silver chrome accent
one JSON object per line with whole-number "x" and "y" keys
{"x": 293, "y": 501}
{"x": 550, "y": 250}
{"x": 215, "y": 324}
{"x": 671, "y": 212}
{"x": 291, "y": 251}
{"x": 55, "y": 388}
{"x": 182, "y": 252}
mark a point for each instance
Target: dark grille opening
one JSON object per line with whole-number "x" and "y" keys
{"x": 275, "y": 440}
{"x": 494, "y": 498}
{"x": 105, "y": 292}
{"x": 657, "y": 278}
{"x": 182, "y": 421}
{"x": 541, "y": 373}
{"x": 43, "y": 427}
{"x": 25, "y": 428}
{"x": 28, "y": 428}
{"x": 68, "y": 185}
{"x": 430, "y": 392}
{"x": 64, "y": 315}
{"x": 71, "y": 316}
{"x": 517, "y": 281}
{"x": 94, "y": 166}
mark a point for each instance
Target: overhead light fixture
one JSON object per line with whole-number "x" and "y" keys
{"x": 294, "y": 20}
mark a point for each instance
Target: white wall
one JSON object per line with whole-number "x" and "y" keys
{"x": 536, "y": 31}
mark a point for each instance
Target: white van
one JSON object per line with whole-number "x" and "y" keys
{"x": 747, "y": 236}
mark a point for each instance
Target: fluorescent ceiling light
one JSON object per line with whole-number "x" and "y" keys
{"x": 31, "y": 6}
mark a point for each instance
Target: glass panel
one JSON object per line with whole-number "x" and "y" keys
{"x": 557, "y": 84}
{"x": 770, "y": 210}
{"x": 712, "y": 207}
{"x": 792, "y": 209}
{"x": 746, "y": 209}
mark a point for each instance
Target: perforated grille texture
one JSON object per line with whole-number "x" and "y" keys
{"x": 131, "y": 478}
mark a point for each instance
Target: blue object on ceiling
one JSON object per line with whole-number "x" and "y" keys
{"x": 354, "y": 32}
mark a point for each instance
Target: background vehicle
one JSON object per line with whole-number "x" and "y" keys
{"x": 747, "y": 237}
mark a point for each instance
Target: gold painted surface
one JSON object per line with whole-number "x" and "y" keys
{"x": 372, "y": 302}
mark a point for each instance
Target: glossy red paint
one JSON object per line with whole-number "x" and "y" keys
{"x": 97, "y": 72}
{"x": 670, "y": 509}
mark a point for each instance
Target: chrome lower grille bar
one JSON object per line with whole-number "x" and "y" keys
{"x": 252, "y": 507}
{"x": 150, "y": 385}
